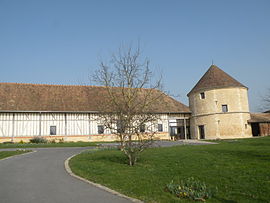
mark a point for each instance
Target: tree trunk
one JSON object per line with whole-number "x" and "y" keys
{"x": 132, "y": 158}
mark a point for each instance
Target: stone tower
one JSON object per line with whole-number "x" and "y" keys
{"x": 219, "y": 106}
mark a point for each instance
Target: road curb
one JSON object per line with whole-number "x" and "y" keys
{"x": 66, "y": 164}
{"x": 9, "y": 157}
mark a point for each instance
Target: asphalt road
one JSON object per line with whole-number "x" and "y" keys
{"x": 40, "y": 177}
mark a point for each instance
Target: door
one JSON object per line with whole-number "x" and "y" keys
{"x": 255, "y": 129}
{"x": 201, "y": 132}
{"x": 181, "y": 132}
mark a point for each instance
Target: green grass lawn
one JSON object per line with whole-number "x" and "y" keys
{"x": 33, "y": 145}
{"x": 5, "y": 154}
{"x": 240, "y": 169}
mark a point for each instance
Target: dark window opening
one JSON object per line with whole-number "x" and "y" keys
{"x": 142, "y": 128}
{"x": 120, "y": 127}
{"x": 52, "y": 130}
{"x": 160, "y": 128}
{"x": 224, "y": 108}
{"x": 100, "y": 129}
{"x": 202, "y": 94}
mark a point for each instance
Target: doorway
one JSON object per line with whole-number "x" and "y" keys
{"x": 201, "y": 132}
{"x": 255, "y": 129}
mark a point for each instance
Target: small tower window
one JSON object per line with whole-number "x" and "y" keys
{"x": 224, "y": 108}
{"x": 202, "y": 95}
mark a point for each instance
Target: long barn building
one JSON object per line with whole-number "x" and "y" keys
{"x": 69, "y": 112}
{"x": 218, "y": 109}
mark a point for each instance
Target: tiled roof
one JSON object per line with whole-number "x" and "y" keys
{"x": 67, "y": 98}
{"x": 215, "y": 78}
{"x": 259, "y": 118}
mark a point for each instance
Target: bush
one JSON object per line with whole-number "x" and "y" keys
{"x": 191, "y": 189}
{"x": 53, "y": 141}
{"x": 38, "y": 140}
{"x": 8, "y": 142}
{"x": 61, "y": 140}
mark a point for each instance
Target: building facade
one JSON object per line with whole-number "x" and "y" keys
{"x": 79, "y": 126}
{"x": 218, "y": 109}
{"x": 70, "y": 113}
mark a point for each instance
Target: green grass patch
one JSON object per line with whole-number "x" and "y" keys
{"x": 240, "y": 169}
{"x": 37, "y": 145}
{"x": 5, "y": 154}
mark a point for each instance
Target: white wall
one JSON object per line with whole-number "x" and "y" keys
{"x": 35, "y": 124}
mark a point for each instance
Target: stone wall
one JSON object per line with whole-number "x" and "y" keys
{"x": 218, "y": 124}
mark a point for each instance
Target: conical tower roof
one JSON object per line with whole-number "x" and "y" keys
{"x": 215, "y": 78}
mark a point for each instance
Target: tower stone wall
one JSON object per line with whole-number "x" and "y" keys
{"x": 218, "y": 124}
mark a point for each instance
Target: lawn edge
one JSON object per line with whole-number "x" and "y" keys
{"x": 9, "y": 157}
{"x": 69, "y": 171}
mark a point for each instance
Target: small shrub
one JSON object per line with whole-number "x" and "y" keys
{"x": 52, "y": 141}
{"x": 61, "y": 140}
{"x": 38, "y": 140}
{"x": 21, "y": 142}
{"x": 191, "y": 189}
{"x": 8, "y": 142}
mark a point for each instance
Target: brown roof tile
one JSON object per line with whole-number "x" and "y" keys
{"x": 66, "y": 98}
{"x": 215, "y": 78}
{"x": 259, "y": 118}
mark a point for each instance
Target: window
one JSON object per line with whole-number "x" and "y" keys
{"x": 160, "y": 128}
{"x": 224, "y": 108}
{"x": 142, "y": 128}
{"x": 202, "y": 95}
{"x": 52, "y": 130}
{"x": 120, "y": 126}
{"x": 100, "y": 129}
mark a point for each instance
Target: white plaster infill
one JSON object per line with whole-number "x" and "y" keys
{"x": 13, "y": 156}
{"x": 68, "y": 169}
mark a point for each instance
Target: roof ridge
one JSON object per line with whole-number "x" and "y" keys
{"x": 60, "y": 85}
{"x": 39, "y": 84}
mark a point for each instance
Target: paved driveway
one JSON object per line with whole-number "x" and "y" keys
{"x": 41, "y": 177}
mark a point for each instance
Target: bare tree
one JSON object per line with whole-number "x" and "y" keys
{"x": 130, "y": 100}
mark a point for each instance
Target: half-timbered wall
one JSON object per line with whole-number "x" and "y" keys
{"x": 14, "y": 125}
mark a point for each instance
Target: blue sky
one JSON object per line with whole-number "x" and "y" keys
{"x": 61, "y": 41}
